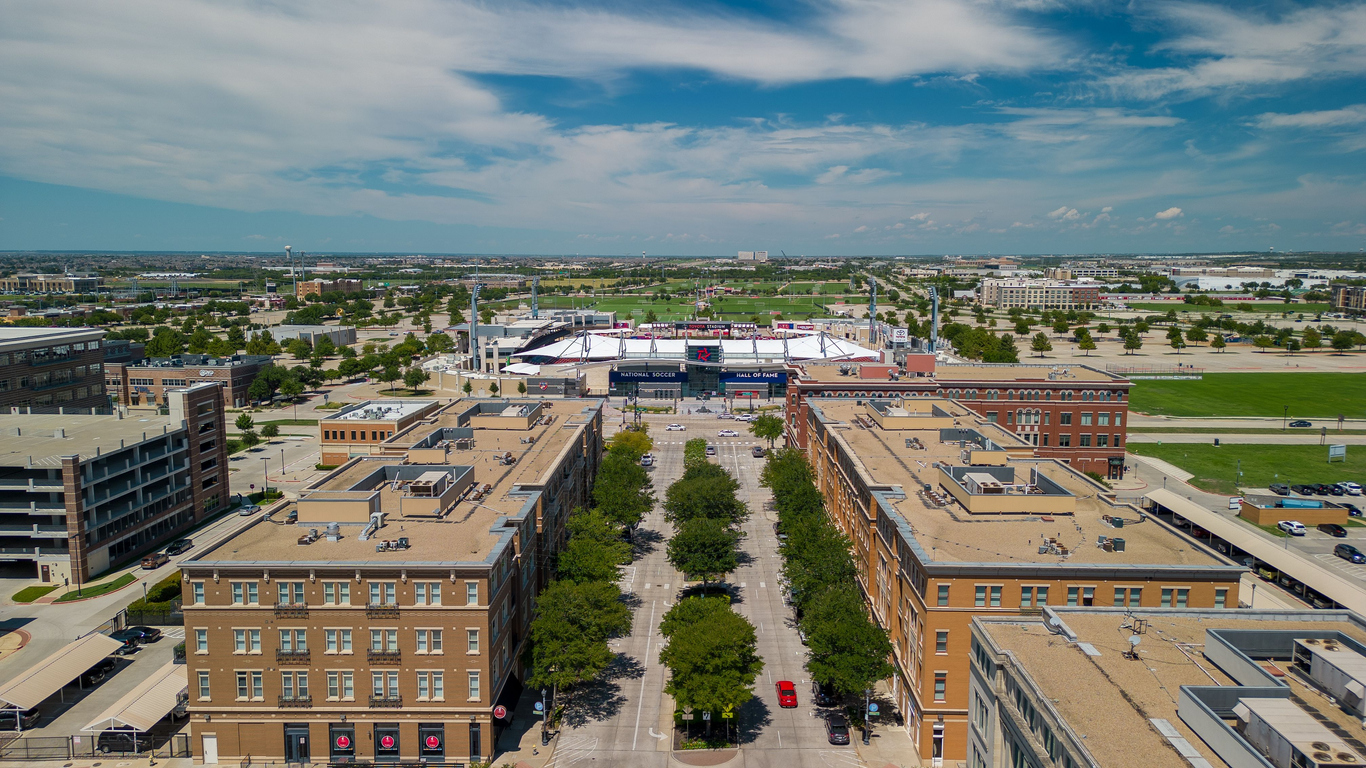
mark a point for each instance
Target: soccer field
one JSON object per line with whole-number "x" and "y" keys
{"x": 1215, "y": 469}
{"x": 1308, "y": 395}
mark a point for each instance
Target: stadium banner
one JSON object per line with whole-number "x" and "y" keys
{"x": 772, "y": 377}
{"x": 675, "y": 375}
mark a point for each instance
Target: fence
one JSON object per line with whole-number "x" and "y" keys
{"x": 27, "y": 748}
{"x": 172, "y": 617}
{"x": 1156, "y": 371}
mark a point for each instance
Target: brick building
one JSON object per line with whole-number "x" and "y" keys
{"x": 359, "y": 430}
{"x": 319, "y": 287}
{"x": 1075, "y": 414}
{"x": 950, "y": 517}
{"x": 1006, "y": 293}
{"x": 35, "y": 283}
{"x": 82, "y": 493}
{"x": 150, "y": 381}
{"x": 395, "y": 632}
{"x": 1350, "y": 299}
{"x": 45, "y": 369}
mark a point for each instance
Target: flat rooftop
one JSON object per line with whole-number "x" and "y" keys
{"x": 463, "y": 534}
{"x": 1023, "y": 372}
{"x": 20, "y": 336}
{"x": 33, "y": 436}
{"x": 950, "y": 533}
{"x": 1107, "y": 694}
{"x": 381, "y": 410}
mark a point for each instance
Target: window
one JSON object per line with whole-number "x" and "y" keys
{"x": 1116, "y": 442}
{"x": 429, "y": 641}
{"x": 294, "y": 686}
{"x": 428, "y": 593}
{"x": 337, "y": 593}
{"x": 293, "y": 640}
{"x": 1064, "y": 441}
{"x": 1032, "y": 596}
{"x": 980, "y": 714}
{"x": 201, "y": 641}
{"x": 995, "y": 597}
{"x": 471, "y": 641}
{"x": 1085, "y": 441}
{"x": 941, "y": 641}
{"x": 1118, "y": 416}
{"x": 981, "y": 600}
{"x": 250, "y": 686}
{"x": 1102, "y": 441}
{"x": 291, "y": 593}
{"x": 471, "y": 593}
{"x": 383, "y": 593}
{"x": 340, "y": 685}
{"x": 244, "y": 593}
{"x": 474, "y": 685}
{"x": 1174, "y": 597}
{"x": 197, "y": 589}
{"x": 1065, "y": 419}
{"x": 1220, "y": 598}
{"x": 1102, "y": 419}
{"x": 384, "y": 639}
{"x": 941, "y": 684}
{"x": 943, "y": 594}
{"x": 246, "y": 641}
{"x": 431, "y": 686}
{"x": 337, "y": 640}
{"x": 992, "y": 417}
{"x": 1086, "y": 419}
{"x": 203, "y": 686}
{"x": 384, "y": 685}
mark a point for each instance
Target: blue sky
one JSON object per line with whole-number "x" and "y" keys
{"x": 810, "y": 126}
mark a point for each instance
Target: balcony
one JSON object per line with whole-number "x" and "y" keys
{"x": 295, "y": 702}
{"x": 291, "y": 611}
{"x": 394, "y": 702}
{"x": 289, "y": 658}
{"x": 384, "y": 657}
{"x": 381, "y": 611}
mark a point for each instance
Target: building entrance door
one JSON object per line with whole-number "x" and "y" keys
{"x": 296, "y": 744}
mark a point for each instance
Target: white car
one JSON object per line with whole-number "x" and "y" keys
{"x": 1352, "y": 489}
{"x": 1292, "y": 527}
{"x": 727, "y": 433}
{"x": 676, "y": 428}
{"x": 648, "y": 460}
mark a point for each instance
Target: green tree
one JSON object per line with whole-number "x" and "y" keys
{"x": 1196, "y": 335}
{"x": 1218, "y": 342}
{"x": 262, "y": 343}
{"x": 631, "y": 443}
{"x": 767, "y": 427}
{"x": 570, "y": 631}
{"x": 1087, "y": 345}
{"x": 270, "y": 431}
{"x": 493, "y": 388}
{"x": 693, "y": 610}
{"x": 236, "y": 337}
{"x": 705, "y": 490}
{"x": 705, "y": 548}
{"x": 291, "y": 388}
{"x": 1103, "y": 328}
{"x": 1060, "y": 326}
{"x": 1312, "y": 338}
{"x": 1041, "y": 344}
{"x": 1132, "y": 342}
{"x": 623, "y": 490}
{"x": 847, "y": 649}
{"x": 1343, "y": 341}
{"x": 165, "y": 342}
{"x": 521, "y": 387}
{"x": 200, "y": 341}
{"x": 1262, "y": 342}
{"x": 1021, "y": 327}
{"x": 388, "y": 375}
{"x": 300, "y": 349}
{"x": 325, "y": 347}
{"x": 595, "y": 548}
{"x": 467, "y": 387}
{"x": 713, "y": 664}
{"x": 416, "y": 377}
{"x": 244, "y": 422}
{"x": 249, "y": 438}
{"x": 259, "y": 389}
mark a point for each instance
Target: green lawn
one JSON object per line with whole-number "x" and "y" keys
{"x": 98, "y": 589}
{"x": 1332, "y": 430}
{"x": 1230, "y": 307}
{"x": 1214, "y": 468}
{"x": 29, "y": 594}
{"x": 1309, "y": 395}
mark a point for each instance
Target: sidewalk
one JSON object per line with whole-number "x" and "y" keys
{"x": 890, "y": 747}
{"x": 520, "y": 744}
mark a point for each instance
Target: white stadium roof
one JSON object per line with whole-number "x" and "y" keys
{"x": 589, "y": 347}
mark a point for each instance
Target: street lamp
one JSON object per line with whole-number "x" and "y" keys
{"x": 1285, "y": 414}
{"x": 545, "y": 719}
{"x": 265, "y": 491}
{"x": 282, "y": 464}
{"x": 867, "y": 724}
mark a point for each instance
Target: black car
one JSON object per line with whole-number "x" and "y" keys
{"x": 26, "y": 718}
{"x": 1323, "y": 489}
{"x": 1301, "y": 423}
{"x": 1337, "y": 490}
{"x": 1303, "y": 490}
{"x": 178, "y": 546}
{"x": 98, "y": 672}
{"x": 1349, "y": 553}
{"x": 823, "y": 694}
{"x": 146, "y": 634}
{"x": 1352, "y": 510}
{"x": 1280, "y": 489}
{"x": 837, "y": 729}
{"x": 131, "y": 641}
{"x": 123, "y": 740}
{"x": 1333, "y": 529}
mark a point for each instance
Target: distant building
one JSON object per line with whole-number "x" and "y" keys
{"x": 753, "y": 256}
{"x": 34, "y": 283}
{"x": 151, "y": 381}
{"x": 1039, "y": 294}
{"x": 320, "y": 287}
{"x": 1349, "y": 298}
{"x": 83, "y": 493}
{"x": 50, "y": 368}
{"x": 1079, "y": 271}
{"x": 341, "y": 335}
{"x": 359, "y": 429}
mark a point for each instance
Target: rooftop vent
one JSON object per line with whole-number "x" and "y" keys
{"x": 333, "y": 532}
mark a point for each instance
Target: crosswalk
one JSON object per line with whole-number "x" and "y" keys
{"x": 715, "y": 441}
{"x": 174, "y": 633}
{"x": 842, "y": 758}
{"x": 571, "y": 750}
{"x": 1352, "y": 569}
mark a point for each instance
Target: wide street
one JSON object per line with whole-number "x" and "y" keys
{"x": 627, "y": 720}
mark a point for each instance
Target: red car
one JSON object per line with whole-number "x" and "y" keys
{"x": 787, "y": 694}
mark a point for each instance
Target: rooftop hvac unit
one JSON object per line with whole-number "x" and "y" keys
{"x": 333, "y": 532}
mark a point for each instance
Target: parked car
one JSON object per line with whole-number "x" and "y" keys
{"x": 1352, "y": 489}
{"x": 1292, "y": 527}
{"x": 757, "y": 451}
{"x": 1333, "y": 529}
{"x": 1302, "y": 490}
{"x": 1349, "y": 553}
{"x": 1280, "y": 489}
{"x": 98, "y": 672}
{"x": 676, "y": 428}
{"x": 787, "y": 694}
{"x": 155, "y": 560}
{"x": 823, "y": 694}
{"x": 837, "y": 729}
{"x": 130, "y": 641}
{"x": 248, "y": 509}
{"x": 1352, "y": 509}
{"x": 727, "y": 433}
{"x": 27, "y": 718}
{"x": 1337, "y": 490}
{"x": 648, "y": 460}
{"x": 178, "y": 546}
{"x": 122, "y": 739}
{"x": 1301, "y": 423}
{"x": 711, "y": 450}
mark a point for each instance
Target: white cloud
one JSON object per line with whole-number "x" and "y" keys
{"x": 1065, "y": 214}
{"x": 1170, "y": 213}
{"x": 1327, "y": 118}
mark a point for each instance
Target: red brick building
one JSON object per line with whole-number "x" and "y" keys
{"x": 1076, "y": 414}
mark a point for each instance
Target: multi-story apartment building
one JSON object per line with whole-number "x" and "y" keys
{"x": 34, "y": 283}
{"x": 359, "y": 430}
{"x": 951, "y": 516}
{"x": 1118, "y": 688}
{"x": 46, "y": 369}
{"x": 80, "y": 493}
{"x": 1039, "y": 294}
{"x": 1076, "y": 414}
{"x": 150, "y": 381}
{"x": 383, "y": 616}
{"x": 319, "y": 287}
{"x": 1349, "y": 298}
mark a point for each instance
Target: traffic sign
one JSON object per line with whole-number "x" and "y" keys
{"x": 872, "y": 709}
{"x": 687, "y": 710}
{"x": 539, "y": 706}
{"x": 500, "y": 712}
{"x": 686, "y": 716}
{"x": 706, "y": 715}
{"x": 727, "y": 715}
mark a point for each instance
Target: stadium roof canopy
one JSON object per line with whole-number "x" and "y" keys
{"x": 591, "y": 348}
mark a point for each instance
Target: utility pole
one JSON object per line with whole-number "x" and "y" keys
{"x": 289, "y": 256}
{"x": 535, "y": 284}
{"x": 872, "y": 308}
{"x": 476, "y": 364}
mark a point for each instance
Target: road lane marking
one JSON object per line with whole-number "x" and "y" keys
{"x": 762, "y": 585}
{"x": 645, "y": 668}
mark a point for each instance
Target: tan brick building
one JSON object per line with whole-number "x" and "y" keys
{"x": 396, "y": 631}
{"x": 150, "y": 381}
{"x": 951, "y": 516}
{"x": 319, "y": 287}
{"x": 359, "y": 430}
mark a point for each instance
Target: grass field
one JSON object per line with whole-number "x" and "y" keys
{"x": 735, "y": 308}
{"x": 98, "y": 589}
{"x": 1229, "y": 308}
{"x": 1214, "y": 468}
{"x": 1309, "y": 395}
{"x": 29, "y": 594}
{"x": 1314, "y": 430}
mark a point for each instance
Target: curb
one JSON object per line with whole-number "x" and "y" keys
{"x": 135, "y": 580}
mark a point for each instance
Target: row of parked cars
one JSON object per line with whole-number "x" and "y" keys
{"x": 1317, "y": 489}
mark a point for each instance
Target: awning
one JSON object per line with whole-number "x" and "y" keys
{"x": 50, "y": 675}
{"x": 526, "y": 369}
{"x": 151, "y": 700}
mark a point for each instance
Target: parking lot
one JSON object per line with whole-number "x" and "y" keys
{"x": 1318, "y": 545}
